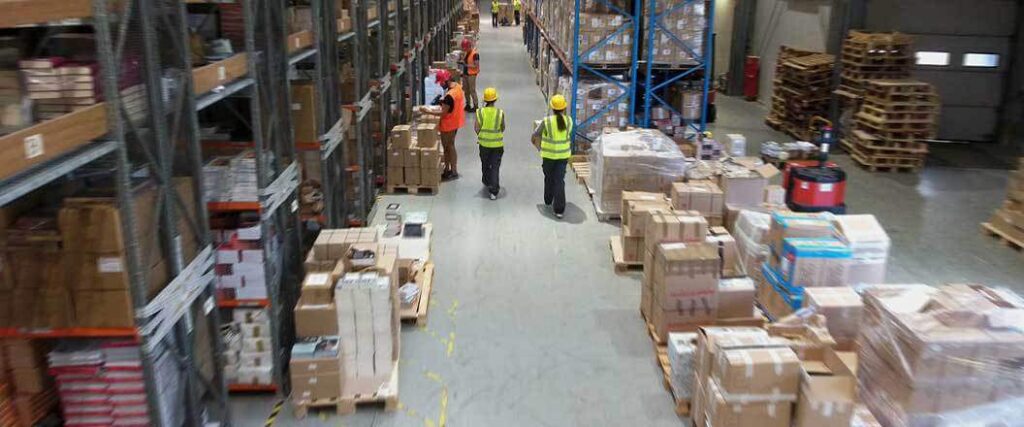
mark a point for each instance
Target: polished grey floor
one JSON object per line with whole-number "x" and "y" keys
{"x": 530, "y": 326}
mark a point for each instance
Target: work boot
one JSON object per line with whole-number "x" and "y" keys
{"x": 494, "y": 196}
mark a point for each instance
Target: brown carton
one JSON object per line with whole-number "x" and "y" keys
{"x": 30, "y": 380}
{"x": 426, "y": 135}
{"x": 674, "y": 227}
{"x": 747, "y": 188}
{"x": 430, "y": 177}
{"x": 771, "y": 372}
{"x": 322, "y": 385}
{"x": 701, "y": 196}
{"x": 636, "y": 214}
{"x": 316, "y": 320}
{"x": 430, "y": 156}
{"x": 396, "y": 157}
{"x": 395, "y": 176}
{"x": 318, "y": 288}
{"x": 826, "y": 401}
{"x": 412, "y": 176}
{"x": 304, "y": 111}
{"x": 721, "y": 238}
{"x": 411, "y": 157}
{"x": 104, "y": 309}
{"x": 735, "y": 297}
{"x": 401, "y": 137}
{"x": 842, "y": 307}
{"x": 722, "y": 412}
{"x": 632, "y": 248}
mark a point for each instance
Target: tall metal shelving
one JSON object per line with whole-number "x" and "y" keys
{"x": 646, "y": 78}
{"x": 658, "y": 77}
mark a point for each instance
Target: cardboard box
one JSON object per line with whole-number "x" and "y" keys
{"x": 208, "y": 77}
{"x": 811, "y": 262}
{"x": 430, "y": 177}
{"x": 401, "y": 137}
{"x": 411, "y": 157}
{"x": 826, "y": 401}
{"x": 747, "y": 189}
{"x": 674, "y": 227}
{"x": 396, "y": 157}
{"x": 430, "y": 156}
{"x": 318, "y": 288}
{"x": 412, "y": 176}
{"x": 701, "y": 196}
{"x": 775, "y": 195}
{"x": 728, "y": 251}
{"x": 791, "y": 224}
{"x": 632, "y": 248}
{"x": 322, "y": 385}
{"x": 395, "y": 176}
{"x": 773, "y": 373}
{"x": 30, "y": 380}
{"x": 842, "y": 307}
{"x": 722, "y": 412}
{"x": 735, "y": 297}
{"x": 636, "y": 212}
{"x": 104, "y": 309}
{"x": 316, "y": 320}
{"x": 304, "y": 112}
{"x": 426, "y": 135}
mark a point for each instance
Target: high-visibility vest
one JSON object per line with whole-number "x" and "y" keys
{"x": 556, "y": 144}
{"x": 518, "y": 5}
{"x": 494, "y": 7}
{"x": 472, "y": 67}
{"x": 490, "y": 119}
{"x": 454, "y": 120}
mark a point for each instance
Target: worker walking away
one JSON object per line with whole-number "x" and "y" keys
{"x": 555, "y": 134}
{"x": 452, "y": 118}
{"x": 517, "y": 6}
{"x": 490, "y": 133}
{"x": 471, "y": 68}
{"x": 494, "y": 13}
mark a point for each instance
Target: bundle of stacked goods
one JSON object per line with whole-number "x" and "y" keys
{"x": 247, "y": 356}
{"x": 680, "y": 21}
{"x": 895, "y": 119}
{"x": 599, "y": 104}
{"x": 15, "y": 107}
{"x": 27, "y": 394}
{"x": 414, "y": 158}
{"x": 942, "y": 356}
{"x": 596, "y": 22}
{"x": 240, "y": 259}
{"x": 102, "y": 383}
{"x": 874, "y": 56}
{"x": 633, "y": 160}
{"x": 803, "y": 81}
{"x": 1008, "y": 222}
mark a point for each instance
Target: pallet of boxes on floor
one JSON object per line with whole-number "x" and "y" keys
{"x": 414, "y": 156}
{"x": 347, "y": 319}
{"x": 1007, "y": 222}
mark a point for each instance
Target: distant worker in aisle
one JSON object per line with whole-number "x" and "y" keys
{"x": 453, "y": 117}
{"x": 490, "y": 133}
{"x": 470, "y": 68}
{"x": 517, "y": 6}
{"x": 494, "y": 13}
{"x": 555, "y": 134}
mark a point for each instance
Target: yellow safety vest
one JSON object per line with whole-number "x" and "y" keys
{"x": 490, "y": 135}
{"x": 518, "y": 5}
{"x": 556, "y": 144}
{"x": 494, "y": 7}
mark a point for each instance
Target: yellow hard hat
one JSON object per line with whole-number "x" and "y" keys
{"x": 558, "y": 102}
{"x": 490, "y": 94}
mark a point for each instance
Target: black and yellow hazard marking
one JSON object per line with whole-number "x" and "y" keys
{"x": 273, "y": 414}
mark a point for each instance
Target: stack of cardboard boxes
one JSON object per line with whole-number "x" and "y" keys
{"x": 702, "y": 196}
{"x": 942, "y": 356}
{"x": 347, "y": 316}
{"x": 414, "y": 156}
{"x": 58, "y": 86}
{"x": 240, "y": 258}
{"x": 31, "y": 391}
{"x": 595, "y": 28}
{"x": 103, "y": 384}
{"x": 681, "y": 21}
{"x": 636, "y": 209}
{"x": 593, "y": 97}
{"x": 1008, "y": 221}
{"x": 249, "y": 355}
{"x": 633, "y": 160}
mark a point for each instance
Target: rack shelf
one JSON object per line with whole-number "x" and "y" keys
{"x": 68, "y": 333}
{"x": 233, "y": 206}
{"x": 236, "y": 303}
{"x": 27, "y": 12}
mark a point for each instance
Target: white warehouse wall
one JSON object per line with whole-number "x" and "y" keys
{"x": 802, "y": 24}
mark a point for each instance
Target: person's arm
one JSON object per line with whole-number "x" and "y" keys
{"x": 476, "y": 125}
{"x": 447, "y": 105}
{"x": 502, "y": 122}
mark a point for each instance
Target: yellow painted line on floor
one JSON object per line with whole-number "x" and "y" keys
{"x": 451, "y": 344}
{"x": 452, "y": 309}
{"x": 442, "y": 419}
{"x": 273, "y": 414}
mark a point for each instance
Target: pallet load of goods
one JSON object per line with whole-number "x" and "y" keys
{"x": 347, "y": 319}
{"x": 803, "y": 82}
{"x": 414, "y": 156}
{"x": 1007, "y": 222}
{"x": 594, "y": 96}
{"x": 632, "y": 160}
{"x": 895, "y": 118}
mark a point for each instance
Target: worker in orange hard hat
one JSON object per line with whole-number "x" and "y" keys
{"x": 471, "y": 68}
{"x": 453, "y": 117}
{"x": 555, "y": 133}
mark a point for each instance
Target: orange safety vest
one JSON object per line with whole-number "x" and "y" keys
{"x": 454, "y": 120}
{"x": 472, "y": 67}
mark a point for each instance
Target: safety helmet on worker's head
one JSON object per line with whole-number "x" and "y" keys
{"x": 490, "y": 94}
{"x": 558, "y": 102}
{"x": 467, "y": 44}
{"x": 443, "y": 76}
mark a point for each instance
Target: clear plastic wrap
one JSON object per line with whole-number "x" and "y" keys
{"x": 751, "y": 233}
{"x": 634, "y": 160}
{"x": 947, "y": 356}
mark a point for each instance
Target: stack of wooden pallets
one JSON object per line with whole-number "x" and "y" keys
{"x": 873, "y": 56}
{"x": 1007, "y": 223}
{"x": 802, "y": 91}
{"x": 895, "y": 119}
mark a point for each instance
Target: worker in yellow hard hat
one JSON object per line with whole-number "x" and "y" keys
{"x": 517, "y": 7}
{"x": 490, "y": 133}
{"x": 494, "y": 13}
{"x": 555, "y": 134}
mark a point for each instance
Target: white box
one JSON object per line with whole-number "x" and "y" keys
{"x": 250, "y": 316}
{"x": 230, "y": 281}
{"x": 256, "y": 345}
{"x": 228, "y": 256}
{"x": 251, "y": 291}
{"x": 249, "y": 233}
{"x": 260, "y": 375}
{"x": 255, "y": 330}
{"x": 252, "y": 256}
{"x": 254, "y": 359}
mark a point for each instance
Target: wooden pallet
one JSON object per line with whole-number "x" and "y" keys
{"x": 413, "y": 189}
{"x": 619, "y": 259}
{"x": 417, "y": 312}
{"x": 990, "y": 230}
{"x": 387, "y": 396}
{"x": 661, "y": 358}
{"x": 873, "y": 165}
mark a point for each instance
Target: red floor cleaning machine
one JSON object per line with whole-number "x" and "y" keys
{"x": 816, "y": 186}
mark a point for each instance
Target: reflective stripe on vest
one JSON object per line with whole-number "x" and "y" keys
{"x": 490, "y": 135}
{"x": 556, "y": 144}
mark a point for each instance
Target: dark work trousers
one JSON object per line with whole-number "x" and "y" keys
{"x": 494, "y": 19}
{"x": 554, "y": 184}
{"x": 517, "y": 18}
{"x": 490, "y": 162}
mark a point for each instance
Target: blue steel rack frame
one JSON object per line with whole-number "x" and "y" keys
{"x": 707, "y": 59}
{"x": 575, "y": 60}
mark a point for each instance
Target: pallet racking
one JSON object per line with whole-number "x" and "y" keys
{"x": 164, "y": 143}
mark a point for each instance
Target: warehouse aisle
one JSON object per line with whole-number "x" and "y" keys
{"x": 529, "y": 324}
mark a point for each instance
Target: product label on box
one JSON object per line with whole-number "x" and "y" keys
{"x": 109, "y": 265}
{"x": 221, "y": 73}
{"x": 33, "y": 146}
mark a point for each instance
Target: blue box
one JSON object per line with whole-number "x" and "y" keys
{"x": 815, "y": 261}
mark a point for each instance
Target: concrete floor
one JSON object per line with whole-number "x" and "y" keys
{"x": 529, "y": 325}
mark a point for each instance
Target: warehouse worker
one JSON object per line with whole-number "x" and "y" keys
{"x": 452, "y": 118}
{"x": 555, "y": 133}
{"x": 517, "y": 6}
{"x": 494, "y": 13}
{"x": 471, "y": 67}
{"x": 490, "y": 132}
